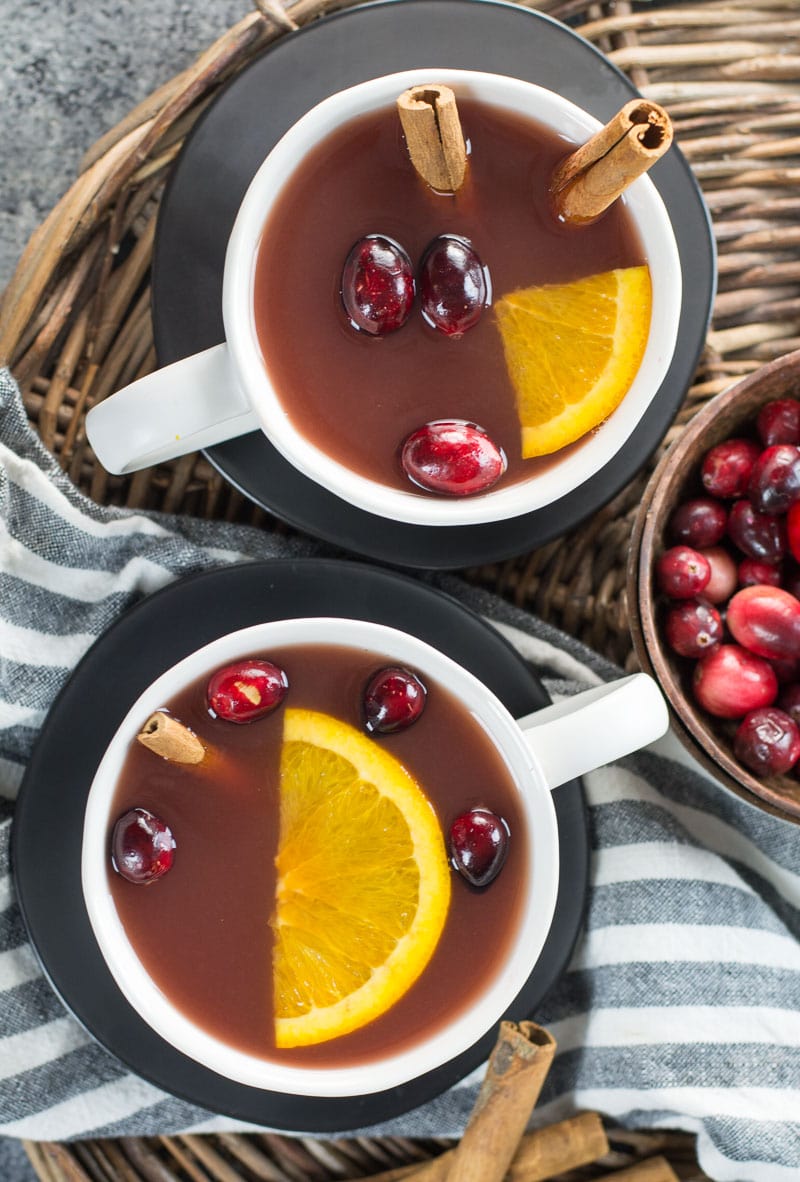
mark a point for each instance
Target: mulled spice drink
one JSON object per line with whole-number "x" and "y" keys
{"x": 202, "y": 930}
{"x": 358, "y": 396}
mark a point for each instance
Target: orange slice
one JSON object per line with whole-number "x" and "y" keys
{"x": 572, "y": 351}
{"x": 363, "y": 881}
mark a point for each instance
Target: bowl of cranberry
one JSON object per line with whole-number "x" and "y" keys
{"x": 714, "y": 586}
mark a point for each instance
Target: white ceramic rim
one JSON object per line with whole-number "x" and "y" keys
{"x": 468, "y": 1026}
{"x": 561, "y": 477}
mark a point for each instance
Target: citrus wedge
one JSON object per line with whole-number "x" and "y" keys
{"x": 572, "y": 351}
{"x": 363, "y": 881}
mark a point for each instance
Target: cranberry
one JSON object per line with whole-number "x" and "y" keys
{"x": 789, "y": 701}
{"x": 682, "y": 573}
{"x": 246, "y": 690}
{"x": 393, "y": 700}
{"x": 698, "y": 523}
{"x": 729, "y": 681}
{"x": 779, "y": 422}
{"x": 767, "y": 741}
{"x": 752, "y": 573}
{"x": 377, "y": 285}
{"x": 791, "y": 581}
{"x": 479, "y": 845}
{"x": 775, "y": 480}
{"x": 758, "y": 535}
{"x": 726, "y": 467}
{"x": 766, "y": 621}
{"x": 793, "y": 530}
{"x": 787, "y": 670}
{"x": 722, "y": 583}
{"x": 454, "y": 457}
{"x": 142, "y": 846}
{"x": 453, "y": 285}
{"x": 693, "y": 627}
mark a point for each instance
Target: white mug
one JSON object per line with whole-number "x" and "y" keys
{"x": 226, "y": 391}
{"x": 542, "y": 750}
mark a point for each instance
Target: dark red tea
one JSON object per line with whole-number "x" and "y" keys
{"x": 202, "y": 931}
{"x": 356, "y": 396}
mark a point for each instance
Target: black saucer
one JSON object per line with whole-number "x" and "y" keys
{"x": 142, "y": 644}
{"x": 235, "y": 134}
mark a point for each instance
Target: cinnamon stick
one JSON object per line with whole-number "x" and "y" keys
{"x": 596, "y": 174}
{"x": 435, "y": 141}
{"x": 170, "y": 739}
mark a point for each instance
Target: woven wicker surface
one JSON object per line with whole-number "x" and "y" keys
{"x": 75, "y": 326}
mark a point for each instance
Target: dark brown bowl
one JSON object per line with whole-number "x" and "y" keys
{"x": 708, "y": 739}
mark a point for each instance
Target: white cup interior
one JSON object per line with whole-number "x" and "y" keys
{"x": 562, "y": 474}
{"x": 469, "y": 1024}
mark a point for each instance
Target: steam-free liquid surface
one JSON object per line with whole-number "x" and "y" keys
{"x": 202, "y": 931}
{"x": 357, "y": 397}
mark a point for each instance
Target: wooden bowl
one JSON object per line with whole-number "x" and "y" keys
{"x": 677, "y": 477}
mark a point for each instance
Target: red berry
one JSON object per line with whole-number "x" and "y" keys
{"x": 779, "y": 422}
{"x": 787, "y": 671}
{"x": 726, "y": 467}
{"x": 789, "y": 701}
{"x": 729, "y": 682}
{"x": 766, "y": 621}
{"x": 768, "y": 742}
{"x": 393, "y": 700}
{"x": 758, "y": 535}
{"x": 377, "y": 285}
{"x": 752, "y": 573}
{"x": 793, "y": 530}
{"x": 246, "y": 690}
{"x": 775, "y": 480}
{"x": 693, "y": 627}
{"x": 479, "y": 845}
{"x": 453, "y": 285}
{"x": 699, "y": 523}
{"x": 682, "y": 573}
{"x": 452, "y": 456}
{"x": 142, "y": 847}
{"x": 722, "y": 583}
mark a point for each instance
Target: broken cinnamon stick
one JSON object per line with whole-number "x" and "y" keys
{"x": 170, "y": 739}
{"x": 596, "y": 174}
{"x": 432, "y": 127}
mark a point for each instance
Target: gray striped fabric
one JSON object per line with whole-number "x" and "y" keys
{"x": 681, "y": 1007}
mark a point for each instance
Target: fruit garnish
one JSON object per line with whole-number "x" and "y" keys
{"x": 453, "y": 457}
{"x": 142, "y": 847}
{"x": 693, "y": 627}
{"x": 246, "y": 690}
{"x": 393, "y": 699}
{"x": 758, "y": 535}
{"x": 363, "y": 882}
{"x": 572, "y": 351}
{"x": 682, "y": 572}
{"x": 767, "y": 741}
{"x": 779, "y": 422}
{"x": 727, "y": 466}
{"x": 699, "y": 522}
{"x": 766, "y": 621}
{"x": 775, "y": 480}
{"x": 453, "y": 285}
{"x": 729, "y": 682}
{"x": 479, "y": 845}
{"x": 377, "y": 285}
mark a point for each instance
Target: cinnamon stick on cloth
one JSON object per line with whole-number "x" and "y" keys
{"x": 435, "y": 141}
{"x": 596, "y": 174}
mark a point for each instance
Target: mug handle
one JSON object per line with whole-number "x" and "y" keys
{"x": 595, "y": 727}
{"x": 191, "y": 404}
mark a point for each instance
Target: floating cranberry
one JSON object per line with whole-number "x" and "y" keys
{"x": 768, "y": 742}
{"x": 693, "y": 627}
{"x": 722, "y": 583}
{"x": 779, "y": 422}
{"x": 789, "y": 701}
{"x": 246, "y": 690}
{"x": 700, "y": 522}
{"x": 766, "y": 621}
{"x": 729, "y": 682}
{"x": 682, "y": 573}
{"x": 393, "y": 699}
{"x": 142, "y": 847}
{"x": 752, "y": 573}
{"x": 454, "y": 457}
{"x": 775, "y": 480}
{"x": 727, "y": 467}
{"x": 453, "y": 285}
{"x": 479, "y": 845}
{"x": 758, "y": 535}
{"x": 793, "y": 531}
{"x": 377, "y": 285}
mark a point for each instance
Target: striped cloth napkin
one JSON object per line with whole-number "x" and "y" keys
{"x": 681, "y": 1007}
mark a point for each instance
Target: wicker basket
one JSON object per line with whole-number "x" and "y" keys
{"x": 75, "y": 326}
